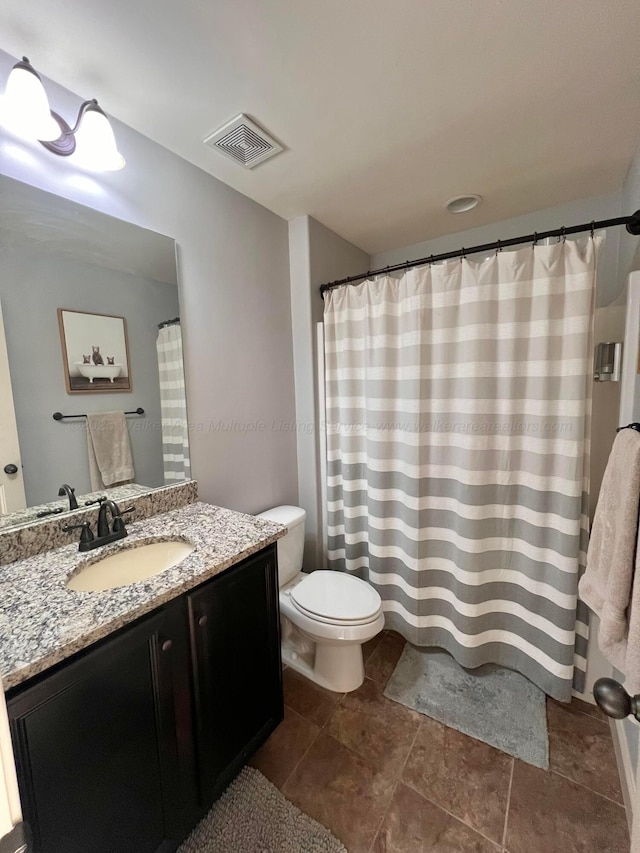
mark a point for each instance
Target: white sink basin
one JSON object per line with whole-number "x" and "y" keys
{"x": 129, "y": 565}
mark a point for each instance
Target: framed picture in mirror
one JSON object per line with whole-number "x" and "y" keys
{"x": 95, "y": 352}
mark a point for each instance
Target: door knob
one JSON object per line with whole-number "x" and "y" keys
{"x": 10, "y": 468}
{"x": 614, "y": 700}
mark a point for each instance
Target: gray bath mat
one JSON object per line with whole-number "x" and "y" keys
{"x": 252, "y": 816}
{"x": 491, "y": 703}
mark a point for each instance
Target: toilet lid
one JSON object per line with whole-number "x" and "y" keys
{"x": 337, "y": 596}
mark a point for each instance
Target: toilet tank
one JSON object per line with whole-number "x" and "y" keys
{"x": 291, "y": 546}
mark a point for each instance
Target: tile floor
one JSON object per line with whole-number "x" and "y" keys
{"x": 386, "y": 779}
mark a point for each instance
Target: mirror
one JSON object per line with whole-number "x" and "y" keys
{"x": 76, "y": 284}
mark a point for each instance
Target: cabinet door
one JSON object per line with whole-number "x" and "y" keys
{"x": 235, "y": 647}
{"x": 95, "y": 747}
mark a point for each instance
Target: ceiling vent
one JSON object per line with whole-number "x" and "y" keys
{"x": 244, "y": 141}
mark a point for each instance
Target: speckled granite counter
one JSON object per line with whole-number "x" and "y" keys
{"x": 42, "y": 622}
{"x": 19, "y": 543}
{"x": 60, "y": 507}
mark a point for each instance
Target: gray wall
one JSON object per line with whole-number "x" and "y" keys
{"x": 316, "y": 255}
{"x": 234, "y": 295}
{"x": 33, "y": 285}
{"x": 573, "y": 213}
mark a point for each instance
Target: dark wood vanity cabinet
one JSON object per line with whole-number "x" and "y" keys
{"x": 92, "y": 739}
{"x": 235, "y": 649}
{"x": 122, "y": 748}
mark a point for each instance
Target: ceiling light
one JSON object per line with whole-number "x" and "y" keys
{"x": 463, "y": 203}
{"x": 24, "y": 110}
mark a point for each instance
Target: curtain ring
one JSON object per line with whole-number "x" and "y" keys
{"x": 535, "y": 240}
{"x": 593, "y": 228}
{"x": 431, "y": 261}
{"x": 563, "y": 236}
{"x": 498, "y": 247}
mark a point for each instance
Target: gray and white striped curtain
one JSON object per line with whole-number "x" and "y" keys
{"x": 173, "y": 405}
{"x": 458, "y": 406}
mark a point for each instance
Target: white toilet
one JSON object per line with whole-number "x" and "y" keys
{"x": 325, "y": 616}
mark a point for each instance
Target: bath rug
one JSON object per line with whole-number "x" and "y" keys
{"x": 491, "y": 703}
{"x": 252, "y": 816}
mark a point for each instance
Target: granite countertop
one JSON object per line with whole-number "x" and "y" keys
{"x": 42, "y": 622}
{"x": 29, "y": 515}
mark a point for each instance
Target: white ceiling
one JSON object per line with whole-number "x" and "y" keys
{"x": 387, "y": 108}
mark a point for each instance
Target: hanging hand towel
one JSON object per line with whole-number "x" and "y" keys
{"x": 611, "y": 583}
{"x": 110, "y": 460}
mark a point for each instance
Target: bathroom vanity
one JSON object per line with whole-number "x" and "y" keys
{"x": 129, "y": 725}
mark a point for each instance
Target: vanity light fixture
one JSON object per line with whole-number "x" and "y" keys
{"x": 25, "y": 111}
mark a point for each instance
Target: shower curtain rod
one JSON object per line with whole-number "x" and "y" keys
{"x": 173, "y": 322}
{"x": 632, "y": 223}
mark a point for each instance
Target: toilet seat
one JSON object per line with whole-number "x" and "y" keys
{"x": 336, "y": 598}
{"x": 327, "y": 620}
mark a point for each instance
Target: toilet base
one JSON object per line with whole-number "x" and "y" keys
{"x": 337, "y": 666}
{"x": 339, "y": 669}
{"x": 328, "y": 654}
{"x": 340, "y": 664}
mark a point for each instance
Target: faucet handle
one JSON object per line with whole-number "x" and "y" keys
{"x": 85, "y": 536}
{"x": 118, "y": 521}
{"x": 96, "y": 501}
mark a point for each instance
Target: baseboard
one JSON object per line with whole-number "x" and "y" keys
{"x": 585, "y": 697}
{"x": 625, "y": 769}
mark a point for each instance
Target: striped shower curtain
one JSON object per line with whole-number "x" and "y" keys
{"x": 173, "y": 405}
{"x": 458, "y": 403}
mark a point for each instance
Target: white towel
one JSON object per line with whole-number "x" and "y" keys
{"x": 610, "y": 585}
{"x": 110, "y": 460}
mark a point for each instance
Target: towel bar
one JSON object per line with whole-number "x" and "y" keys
{"x": 58, "y": 416}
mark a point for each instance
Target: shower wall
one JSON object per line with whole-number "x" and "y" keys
{"x": 316, "y": 255}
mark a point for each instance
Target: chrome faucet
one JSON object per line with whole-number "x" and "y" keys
{"x": 69, "y": 491}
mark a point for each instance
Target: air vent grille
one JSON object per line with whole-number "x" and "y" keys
{"x": 243, "y": 141}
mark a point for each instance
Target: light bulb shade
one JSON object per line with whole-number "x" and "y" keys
{"x": 24, "y": 107}
{"x": 96, "y": 147}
